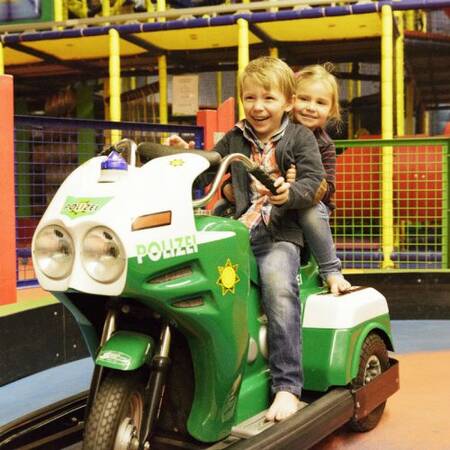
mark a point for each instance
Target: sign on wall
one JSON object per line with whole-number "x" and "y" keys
{"x": 184, "y": 95}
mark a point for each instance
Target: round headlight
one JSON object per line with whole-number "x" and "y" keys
{"x": 102, "y": 255}
{"x": 54, "y": 252}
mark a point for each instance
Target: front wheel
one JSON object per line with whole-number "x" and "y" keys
{"x": 115, "y": 419}
{"x": 374, "y": 360}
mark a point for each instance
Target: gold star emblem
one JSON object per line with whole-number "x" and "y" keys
{"x": 228, "y": 277}
{"x": 176, "y": 162}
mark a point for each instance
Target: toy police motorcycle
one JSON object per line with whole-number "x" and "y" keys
{"x": 167, "y": 300}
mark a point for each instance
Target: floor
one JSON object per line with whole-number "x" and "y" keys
{"x": 416, "y": 417}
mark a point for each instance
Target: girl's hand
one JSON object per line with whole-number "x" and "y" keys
{"x": 291, "y": 174}
{"x": 282, "y": 195}
{"x": 175, "y": 141}
{"x": 228, "y": 192}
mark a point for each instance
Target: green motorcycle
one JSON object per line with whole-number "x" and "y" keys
{"x": 167, "y": 300}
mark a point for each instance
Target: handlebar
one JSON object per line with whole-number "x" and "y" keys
{"x": 251, "y": 168}
{"x": 150, "y": 150}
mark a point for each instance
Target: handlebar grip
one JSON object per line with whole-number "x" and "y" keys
{"x": 262, "y": 177}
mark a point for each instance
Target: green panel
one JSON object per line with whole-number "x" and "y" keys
{"x": 46, "y": 12}
{"x": 85, "y": 110}
{"x": 331, "y": 357}
{"x": 126, "y": 350}
{"x": 22, "y": 152}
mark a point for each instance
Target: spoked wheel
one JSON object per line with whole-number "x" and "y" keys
{"x": 115, "y": 420}
{"x": 374, "y": 361}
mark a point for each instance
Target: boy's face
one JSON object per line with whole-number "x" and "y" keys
{"x": 263, "y": 108}
{"x": 312, "y": 105}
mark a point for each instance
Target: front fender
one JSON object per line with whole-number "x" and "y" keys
{"x": 126, "y": 350}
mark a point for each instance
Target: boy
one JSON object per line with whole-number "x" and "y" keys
{"x": 267, "y": 136}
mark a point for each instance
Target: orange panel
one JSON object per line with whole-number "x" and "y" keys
{"x": 207, "y": 118}
{"x": 7, "y": 206}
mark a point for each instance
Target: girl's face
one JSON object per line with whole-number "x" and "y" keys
{"x": 313, "y": 104}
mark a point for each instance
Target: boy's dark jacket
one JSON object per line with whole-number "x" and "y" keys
{"x": 297, "y": 146}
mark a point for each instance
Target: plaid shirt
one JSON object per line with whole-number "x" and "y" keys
{"x": 264, "y": 156}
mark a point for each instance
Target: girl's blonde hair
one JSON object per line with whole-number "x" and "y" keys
{"x": 269, "y": 73}
{"x": 323, "y": 73}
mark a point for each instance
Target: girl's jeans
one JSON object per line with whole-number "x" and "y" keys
{"x": 278, "y": 264}
{"x": 315, "y": 224}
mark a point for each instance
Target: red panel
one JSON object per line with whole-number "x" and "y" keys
{"x": 7, "y": 206}
{"x": 226, "y": 115}
{"x": 207, "y": 118}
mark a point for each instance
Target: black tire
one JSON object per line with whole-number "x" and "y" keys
{"x": 374, "y": 360}
{"x": 118, "y": 405}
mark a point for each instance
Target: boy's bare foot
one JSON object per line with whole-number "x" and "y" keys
{"x": 338, "y": 284}
{"x": 284, "y": 405}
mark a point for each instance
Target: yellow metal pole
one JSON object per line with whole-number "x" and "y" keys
{"x": 219, "y": 79}
{"x": 106, "y": 8}
{"x": 273, "y": 52}
{"x": 410, "y": 107}
{"x": 426, "y": 123}
{"x": 387, "y": 133}
{"x": 350, "y": 96}
{"x": 243, "y": 55}
{"x": 161, "y": 6}
{"x": 150, "y": 8}
{"x": 400, "y": 75}
{"x": 410, "y": 20}
{"x": 2, "y": 59}
{"x": 58, "y": 8}
{"x": 114, "y": 82}
{"x": 162, "y": 74}
{"x": 424, "y": 18}
{"x": 358, "y": 94}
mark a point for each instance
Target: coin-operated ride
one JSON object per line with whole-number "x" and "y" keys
{"x": 168, "y": 302}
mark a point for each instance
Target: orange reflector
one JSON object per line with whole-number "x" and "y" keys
{"x": 152, "y": 220}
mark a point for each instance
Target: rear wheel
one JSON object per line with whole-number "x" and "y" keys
{"x": 374, "y": 361}
{"x": 115, "y": 420}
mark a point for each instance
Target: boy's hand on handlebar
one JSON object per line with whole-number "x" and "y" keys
{"x": 282, "y": 195}
{"x": 175, "y": 141}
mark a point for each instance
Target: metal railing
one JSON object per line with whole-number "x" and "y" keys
{"x": 403, "y": 225}
{"x": 410, "y": 234}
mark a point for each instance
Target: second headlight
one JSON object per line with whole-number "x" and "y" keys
{"x": 103, "y": 255}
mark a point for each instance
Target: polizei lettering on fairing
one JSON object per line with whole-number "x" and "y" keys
{"x": 166, "y": 248}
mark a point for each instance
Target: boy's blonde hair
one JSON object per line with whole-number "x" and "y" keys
{"x": 269, "y": 73}
{"x": 324, "y": 74}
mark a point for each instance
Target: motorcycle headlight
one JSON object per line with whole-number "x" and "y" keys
{"x": 54, "y": 252}
{"x": 102, "y": 255}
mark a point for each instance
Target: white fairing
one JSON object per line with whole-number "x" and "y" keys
{"x": 343, "y": 311}
{"x": 163, "y": 184}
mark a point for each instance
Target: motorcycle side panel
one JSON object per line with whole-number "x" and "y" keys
{"x": 330, "y": 355}
{"x": 205, "y": 294}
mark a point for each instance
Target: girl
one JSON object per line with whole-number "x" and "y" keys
{"x": 317, "y": 105}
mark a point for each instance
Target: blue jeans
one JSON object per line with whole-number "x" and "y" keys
{"x": 278, "y": 264}
{"x": 315, "y": 223}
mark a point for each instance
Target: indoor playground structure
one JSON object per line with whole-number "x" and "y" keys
{"x": 77, "y": 76}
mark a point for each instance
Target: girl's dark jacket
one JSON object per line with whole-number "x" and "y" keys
{"x": 297, "y": 146}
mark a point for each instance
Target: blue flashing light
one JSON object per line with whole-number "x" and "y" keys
{"x": 114, "y": 162}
